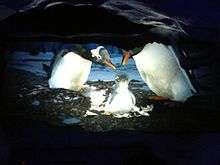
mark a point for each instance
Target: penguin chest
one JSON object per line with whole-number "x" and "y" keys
{"x": 122, "y": 101}
{"x": 71, "y": 72}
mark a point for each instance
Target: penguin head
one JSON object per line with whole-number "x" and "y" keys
{"x": 101, "y": 55}
{"x": 122, "y": 80}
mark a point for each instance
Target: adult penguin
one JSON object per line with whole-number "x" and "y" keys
{"x": 70, "y": 68}
{"x": 160, "y": 69}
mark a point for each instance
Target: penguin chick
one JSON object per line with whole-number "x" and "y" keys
{"x": 121, "y": 100}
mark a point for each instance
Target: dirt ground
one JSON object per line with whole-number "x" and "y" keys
{"x": 26, "y": 97}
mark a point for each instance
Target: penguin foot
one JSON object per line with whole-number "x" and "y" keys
{"x": 173, "y": 104}
{"x": 84, "y": 88}
{"x": 158, "y": 98}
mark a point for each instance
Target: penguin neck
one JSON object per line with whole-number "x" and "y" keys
{"x": 83, "y": 52}
{"x": 136, "y": 51}
{"x": 137, "y": 56}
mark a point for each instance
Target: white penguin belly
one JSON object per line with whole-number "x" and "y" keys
{"x": 71, "y": 72}
{"x": 121, "y": 102}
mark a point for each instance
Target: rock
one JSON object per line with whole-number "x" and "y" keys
{"x": 68, "y": 119}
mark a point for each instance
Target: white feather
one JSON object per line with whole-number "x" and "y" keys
{"x": 71, "y": 72}
{"x": 121, "y": 100}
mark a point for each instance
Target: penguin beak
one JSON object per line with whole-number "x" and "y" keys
{"x": 126, "y": 56}
{"x": 109, "y": 64}
{"x": 106, "y": 58}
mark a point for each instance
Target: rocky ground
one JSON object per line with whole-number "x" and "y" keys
{"x": 26, "y": 97}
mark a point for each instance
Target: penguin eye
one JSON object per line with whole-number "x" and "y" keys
{"x": 99, "y": 57}
{"x": 117, "y": 79}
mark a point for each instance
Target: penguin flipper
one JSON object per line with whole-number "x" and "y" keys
{"x": 54, "y": 62}
{"x": 46, "y": 68}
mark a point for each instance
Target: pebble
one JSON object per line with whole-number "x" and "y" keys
{"x": 36, "y": 103}
{"x": 67, "y": 97}
{"x": 89, "y": 113}
{"x": 20, "y": 95}
{"x": 70, "y": 121}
